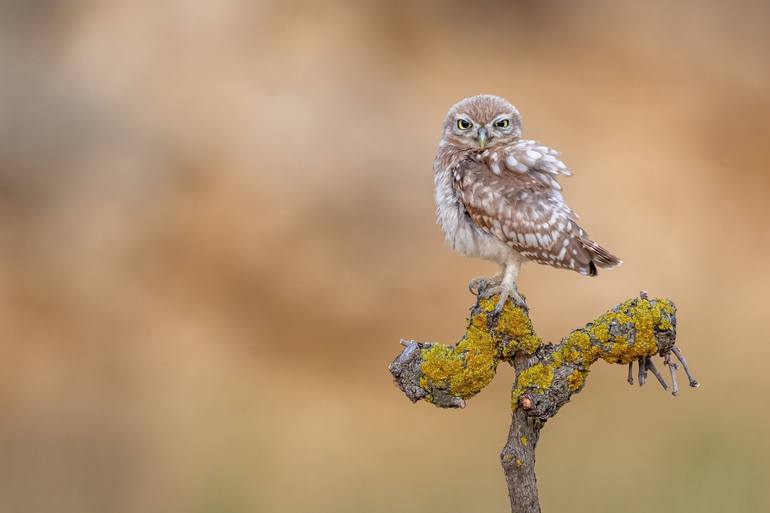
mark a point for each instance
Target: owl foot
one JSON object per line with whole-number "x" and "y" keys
{"x": 477, "y": 286}
{"x": 506, "y": 292}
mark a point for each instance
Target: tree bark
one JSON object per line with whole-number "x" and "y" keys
{"x": 547, "y": 375}
{"x": 518, "y": 457}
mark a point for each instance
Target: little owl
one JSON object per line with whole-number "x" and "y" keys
{"x": 497, "y": 198}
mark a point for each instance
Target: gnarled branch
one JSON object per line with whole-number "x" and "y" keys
{"x": 547, "y": 375}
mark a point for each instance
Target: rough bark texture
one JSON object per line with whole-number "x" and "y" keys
{"x": 547, "y": 375}
{"x": 518, "y": 456}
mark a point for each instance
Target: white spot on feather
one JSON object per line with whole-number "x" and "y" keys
{"x": 534, "y": 155}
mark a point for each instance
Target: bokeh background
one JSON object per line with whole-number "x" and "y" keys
{"x": 216, "y": 222}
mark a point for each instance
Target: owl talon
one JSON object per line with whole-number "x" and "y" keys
{"x": 478, "y": 286}
{"x": 500, "y": 304}
{"x": 518, "y": 299}
{"x": 505, "y": 293}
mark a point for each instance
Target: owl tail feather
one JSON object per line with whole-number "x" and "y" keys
{"x": 600, "y": 257}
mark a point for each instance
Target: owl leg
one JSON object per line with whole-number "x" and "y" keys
{"x": 507, "y": 288}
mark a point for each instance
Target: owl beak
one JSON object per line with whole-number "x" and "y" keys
{"x": 482, "y": 137}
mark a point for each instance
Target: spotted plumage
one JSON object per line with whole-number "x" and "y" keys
{"x": 498, "y": 197}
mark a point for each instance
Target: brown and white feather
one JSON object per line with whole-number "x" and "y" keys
{"x": 526, "y": 212}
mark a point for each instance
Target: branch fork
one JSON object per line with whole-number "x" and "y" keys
{"x": 547, "y": 375}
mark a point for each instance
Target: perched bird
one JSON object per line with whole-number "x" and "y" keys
{"x": 498, "y": 198}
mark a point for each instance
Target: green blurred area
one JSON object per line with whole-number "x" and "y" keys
{"x": 216, "y": 222}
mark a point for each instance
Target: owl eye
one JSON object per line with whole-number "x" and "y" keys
{"x": 503, "y": 123}
{"x": 463, "y": 124}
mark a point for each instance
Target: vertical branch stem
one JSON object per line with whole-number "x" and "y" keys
{"x": 518, "y": 456}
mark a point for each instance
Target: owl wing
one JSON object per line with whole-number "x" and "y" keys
{"x": 524, "y": 157}
{"x": 526, "y": 211}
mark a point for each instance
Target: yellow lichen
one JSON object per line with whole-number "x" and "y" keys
{"x": 519, "y": 463}
{"x": 583, "y": 347}
{"x": 463, "y": 369}
{"x": 576, "y": 380}
{"x": 600, "y": 332}
{"x": 514, "y": 322}
{"x": 538, "y": 378}
{"x": 646, "y": 316}
{"x": 514, "y": 325}
{"x": 524, "y": 440}
{"x": 577, "y": 349}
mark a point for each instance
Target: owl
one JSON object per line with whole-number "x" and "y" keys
{"x": 498, "y": 198}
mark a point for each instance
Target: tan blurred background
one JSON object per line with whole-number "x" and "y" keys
{"x": 216, "y": 222}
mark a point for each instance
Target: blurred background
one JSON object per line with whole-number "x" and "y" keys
{"x": 217, "y": 220}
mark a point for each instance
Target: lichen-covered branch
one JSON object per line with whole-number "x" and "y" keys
{"x": 547, "y": 375}
{"x": 631, "y": 332}
{"x": 448, "y": 375}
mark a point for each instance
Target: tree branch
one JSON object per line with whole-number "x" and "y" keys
{"x": 547, "y": 375}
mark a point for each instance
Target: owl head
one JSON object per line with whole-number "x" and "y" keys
{"x": 482, "y": 121}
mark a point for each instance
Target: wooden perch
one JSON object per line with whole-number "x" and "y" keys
{"x": 546, "y": 374}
